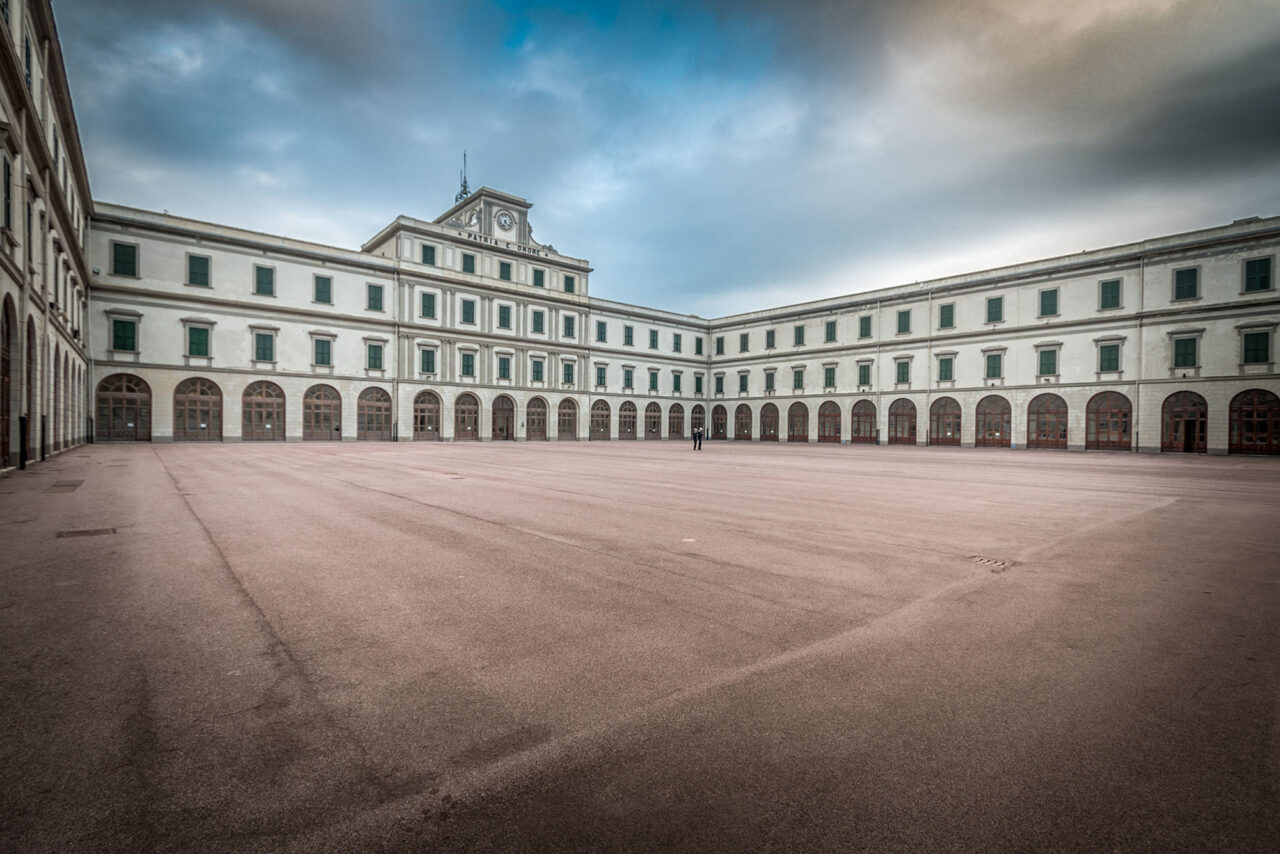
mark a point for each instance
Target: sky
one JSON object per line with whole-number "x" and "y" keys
{"x": 705, "y": 157}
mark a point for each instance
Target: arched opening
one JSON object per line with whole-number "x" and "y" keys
{"x": 322, "y": 414}
{"x": 1108, "y": 417}
{"x": 466, "y": 418}
{"x": 503, "y": 419}
{"x": 55, "y": 423}
{"x": 944, "y": 422}
{"x": 653, "y": 421}
{"x": 902, "y": 422}
{"x": 1184, "y": 418}
{"x": 263, "y": 413}
{"x": 426, "y": 417}
{"x": 769, "y": 423}
{"x": 719, "y": 422}
{"x": 992, "y": 422}
{"x": 742, "y": 423}
{"x": 7, "y": 328}
{"x": 862, "y": 427}
{"x": 599, "y": 420}
{"x": 535, "y": 419}
{"x": 567, "y": 423}
{"x": 1047, "y": 422}
{"x": 798, "y": 423}
{"x": 698, "y": 418}
{"x": 1255, "y": 422}
{"x": 627, "y": 420}
{"x": 123, "y": 409}
{"x": 829, "y": 422}
{"x": 675, "y": 422}
{"x": 373, "y": 415}
{"x": 33, "y": 366}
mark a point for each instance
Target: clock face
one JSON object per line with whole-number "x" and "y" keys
{"x": 505, "y": 220}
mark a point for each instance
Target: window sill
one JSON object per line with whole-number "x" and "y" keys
{"x": 1258, "y": 291}
{"x": 1047, "y": 316}
{"x": 194, "y": 285}
{"x": 198, "y": 361}
{"x": 124, "y": 355}
{"x": 993, "y": 381}
{"x": 1176, "y": 300}
{"x": 1184, "y": 372}
{"x": 864, "y": 389}
{"x": 1111, "y": 308}
{"x": 1257, "y": 367}
{"x": 1047, "y": 378}
{"x": 263, "y": 363}
{"x": 256, "y": 294}
{"x": 422, "y": 375}
{"x": 1109, "y": 376}
{"x": 946, "y": 383}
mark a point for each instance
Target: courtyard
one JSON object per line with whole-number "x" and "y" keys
{"x": 634, "y": 646}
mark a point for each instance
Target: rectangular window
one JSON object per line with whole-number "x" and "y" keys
{"x": 653, "y": 381}
{"x": 697, "y": 384}
{"x": 569, "y": 284}
{"x": 904, "y": 321}
{"x": 628, "y": 378}
{"x": 374, "y": 298}
{"x": 904, "y": 372}
{"x": 719, "y": 385}
{"x": 864, "y": 326}
{"x": 504, "y": 367}
{"x": 1049, "y": 303}
{"x": 995, "y": 367}
{"x": 568, "y": 326}
{"x": 697, "y": 346}
{"x": 198, "y": 270}
{"x": 628, "y": 336}
{"x": 539, "y": 322}
{"x": 124, "y": 259}
{"x": 428, "y": 305}
{"x": 719, "y": 345}
{"x": 828, "y": 377}
{"x": 124, "y": 336}
{"x": 675, "y": 342}
{"x": 675, "y": 383}
{"x": 567, "y": 373}
{"x": 1257, "y": 275}
{"x": 864, "y": 375}
{"x": 768, "y": 381}
{"x": 428, "y": 361}
{"x": 1109, "y": 357}
{"x": 995, "y": 309}
{"x": 539, "y": 278}
{"x": 504, "y": 317}
{"x": 769, "y": 339}
{"x": 468, "y": 364}
{"x": 375, "y": 357}
{"x": 742, "y": 342}
{"x": 197, "y": 341}
{"x": 797, "y": 378}
{"x": 602, "y": 329}
{"x": 945, "y": 371}
{"x": 742, "y": 383}
{"x": 1184, "y": 353}
{"x": 799, "y": 336}
{"x": 322, "y": 352}
{"x": 264, "y": 281}
{"x": 830, "y": 331}
{"x": 1257, "y": 348}
{"x": 504, "y": 270}
{"x": 1186, "y": 283}
{"x": 428, "y": 255}
{"x": 946, "y": 316}
{"x": 537, "y": 370}
{"x": 468, "y": 262}
{"x": 601, "y": 375}
{"x": 323, "y": 289}
{"x": 264, "y": 347}
{"x": 1109, "y": 294}
{"x": 468, "y": 311}
{"x": 1048, "y": 363}
{"x": 653, "y": 339}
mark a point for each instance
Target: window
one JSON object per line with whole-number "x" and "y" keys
{"x": 567, "y": 373}
{"x": 504, "y": 367}
{"x": 264, "y": 281}
{"x": 468, "y": 262}
{"x": 569, "y": 284}
{"x": 468, "y": 311}
{"x": 428, "y": 305}
{"x": 946, "y": 316}
{"x": 829, "y": 377}
{"x": 373, "y": 357}
{"x": 601, "y": 375}
{"x": 539, "y": 278}
{"x": 675, "y": 383}
{"x": 1257, "y": 275}
{"x": 697, "y": 346}
{"x": 568, "y": 326}
{"x": 468, "y": 364}
{"x": 768, "y": 339}
{"x": 719, "y": 384}
{"x": 768, "y": 381}
{"x": 945, "y": 369}
{"x": 628, "y": 378}
{"x": 720, "y": 345}
{"x": 995, "y": 366}
{"x": 373, "y": 300}
{"x": 1257, "y": 348}
{"x": 536, "y": 368}
{"x": 830, "y": 331}
{"x": 742, "y": 383}
{"x": 742, "y": 342}
{"x": 995, "y": 309}
{"x": 653, "y": 339}
{"x": 697, "y": 384}
{"x": 601, "y": 331}
{"x": 1109, "y": 294}
{"x": 904, "y": 372}
{"x": 504, "y": 317}
{"x": 653, "y": 380}
{"x": 428, "y": 361}
{"x": 539, "y": 322}
{"x": 799, "y": 336}
{"x": 628, "y": 336}
{"x": 675, "y": 342}
{"x": 124, "y": 258}
{"x": 322, "y": 352}
{"x": 864, "y": 375}
{"x": 124, "y": 336}
{"x": 1049, "y": 302}
{"x": 197, "y": 341}
{"x": 797, "y": 378}
{"x": 8, "y": 194}
{"x": 904, "y": 321}
{"x": 1184, "y": 352}
{"x": 504, "y": 270}
{"x": 322, "y": 289}
{"x": 198, "y": 270}
{"x": 1109, "y": 357}
{"x": 1186, "y": 283}
{"x": 428, "y": 255}
{"x": 264, "y": 347}
{"x": 1048, "y": 363}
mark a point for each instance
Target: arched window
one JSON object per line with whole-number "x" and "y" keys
{"x": 197, "y": 411}
{"x": 769, "y": 423}
{"x": 829, "y": 422}
{"x": 123, "y": 409}
{"x": 991, "y": 422}
{"x": 466, "y": 418}
{"x": 627, "y": 420}
{"x": 675, "y": 422}
{"x": 902, "y": 422}
{"x": 719, "y": 422}
{"x": 1184, "y": 418}
{"x": 7, "y": 328}
{"x": 426, "y": 417}
{"x": 1107, "y": 419}
{"x": 504, "y": 419}
{"x": 862, "y": 428}
{"x": 262, "y": 407}
{"x": 1047, "y": 422}
{"x": 698, "y": 418}
{"x": 567, "y": 425}
{"x": 373, "y": 415}
{"x": 322, "y": 414}
{"x": 535, "y": 419}
{"x": 653, "y": 421}
{"x": 1255, "y": 422}
{"x": 742, "y": 423}
{"x": 600, "y": 420}
{"x": 798, "y": 423}
{"x": 944, "y": 422}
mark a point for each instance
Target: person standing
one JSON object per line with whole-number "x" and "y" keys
{"x": 697, "y": 438}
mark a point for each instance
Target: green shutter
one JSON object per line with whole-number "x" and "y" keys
{"x": 1109, "y": 357}
{"x": 539, "y": 321}
{"x": 797, "y": 379}
{"x": 1048, "y": 363}
{"x": 323, "y": 351}
{"x": 829, "y": 377}
{"x": 504, "y": 367}
{"x": 864, "y": 327}
{"x": 799, "y": 336}
{"x": 831, "y": 331}
{"x": 428, "y": 305}
{"x": 653, "y": 381}
{"x": 537, "y": 370}
{"x": 628, "y": 377}
{"x": 468, "y": 262}
{"x": 198, "y": 270}
{"x": 569, "y": 284}
{"x": 568, "y": 373}
{"x": 1257, "y": 275}
{"x": 946, "y": 316}
{"x": 468, "y": 364}
{"x": 944, "y": 369}
{"x": 697, "y": 384}
{"x": 197, "y": 341}
{"x": 601, "y": 329}
{"x": 1049, "y": 303}
{"x": 675, "y": 383}
{"x": 697, "y": 346}
{"x": 769, "y": 339}
{"x": 628, "y": 336}
{"x": 904, "y": 372}
{"x": 504, "y": 270}
{"x": 742, "y": 342}
{"x": 864, "y": 375}
{"x": 538, "y": 278}
{"x": 653, "y": 339}
{"x": 768, "y": 381}
{"x": 264, "y": 347}
{"x": 568, "y": 327}
{"x": 124, "y": 336}
{"x": 429, "y": 255}
{"x": 994, "y": 371}
{"x": 1257, "y": 347}
{"x": 1109, "y": 294}
{"x": 995, "y": 309}
{"x": 904, "y": 321}
{"x": 601, "y": 375}
{"x": 675, "y": 342}
{"x": 264, "y": 281}
{"x": 1186, "y": 283}
{"x": 468, "y": 311}
{"x": 375, "y": 357}
{"x": 504, "y": 317}
{"x": 375, "y": 297}
{"x": 324, "y": 290}
{"x": 1184, "y": 353}
{"x": 124, "y": 259}
{"x": 428, "y": 360}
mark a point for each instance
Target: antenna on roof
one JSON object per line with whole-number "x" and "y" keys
{"x": 463, "y": 191}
